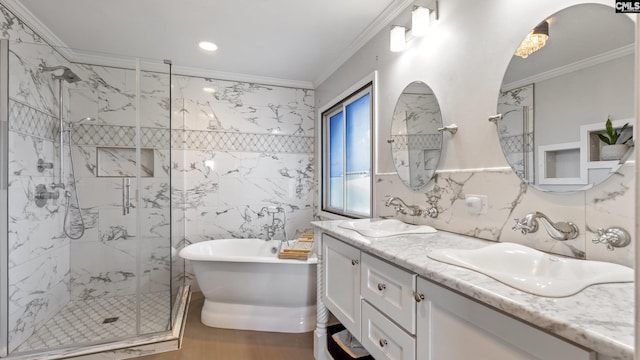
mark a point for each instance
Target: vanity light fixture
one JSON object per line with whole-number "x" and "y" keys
{"x": 420, "y": 20}
{"x": 534, "y": 41}
{"x": 208, "y": 46}
{"x": 398, "y": 40}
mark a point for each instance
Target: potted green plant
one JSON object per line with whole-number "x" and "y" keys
{"x": 613, "y": 148}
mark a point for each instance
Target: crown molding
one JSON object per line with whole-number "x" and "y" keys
{"x": 578, "y": 65}
{"x": 77, "y": 56}
{"x": 158, "y": 66}
{"x": 38, "y": 27}
{"x": 222, "y": 75}
{"x": 383, "y": 20}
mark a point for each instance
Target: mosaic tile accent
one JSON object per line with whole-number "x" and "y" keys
{"x": 108, "y": 135}
{"x": 245, "y": 142}
{"x": 516, "y": 143}
{"x": 31, "y": 121}
{"x": 84, "y": 321}
{"x": 420, "y": 141}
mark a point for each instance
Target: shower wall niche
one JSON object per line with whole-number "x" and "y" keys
{"x": 123, "y": 162}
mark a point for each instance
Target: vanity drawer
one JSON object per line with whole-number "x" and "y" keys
{"x": 390, "y": 289}
{"x": 384, "y": 339}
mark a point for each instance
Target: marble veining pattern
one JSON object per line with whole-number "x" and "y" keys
{"x": 608, "y": 204}
{"x": 599, "y": 317}
{"x": 43, "y": 274}
{"x": 38, "y": 252}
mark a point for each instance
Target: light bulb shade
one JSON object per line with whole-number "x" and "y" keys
{"x": 420, "y": 21}
{"x": 397, "y": 38}
{"x": 534, "y": 41}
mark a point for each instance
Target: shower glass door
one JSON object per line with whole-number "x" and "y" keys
{"x": 88, "y": 244}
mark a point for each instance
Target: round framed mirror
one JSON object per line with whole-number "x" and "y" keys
{"x": 555, "y": 99}
{"x": 416, "y": 143}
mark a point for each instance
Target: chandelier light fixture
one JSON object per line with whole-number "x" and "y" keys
{"x": 534, "y": 41}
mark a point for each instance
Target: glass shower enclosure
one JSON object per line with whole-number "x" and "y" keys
{"x": 86, "y": 193}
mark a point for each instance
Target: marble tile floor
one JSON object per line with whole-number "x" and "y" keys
{"x": 81, "y": 322}
{"x": 203, "y": 342}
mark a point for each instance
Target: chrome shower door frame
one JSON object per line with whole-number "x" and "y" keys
{"x": 4, "y": 203}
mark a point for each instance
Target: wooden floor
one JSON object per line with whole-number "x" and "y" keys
{"x": 203, "y": 342}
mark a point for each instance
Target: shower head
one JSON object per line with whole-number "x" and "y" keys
{"x": 67, "y": 74}
{"x": 84, "y": 120}
{"x": 69, "y": 125}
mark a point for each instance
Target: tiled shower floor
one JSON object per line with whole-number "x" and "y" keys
{"x": 83, "y": 321}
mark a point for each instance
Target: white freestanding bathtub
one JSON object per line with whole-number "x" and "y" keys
{"x": 247, "y": 287}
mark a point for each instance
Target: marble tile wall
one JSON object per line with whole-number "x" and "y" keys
{"x": 105, "y": 261}
{"x": 246, "y": 146}
{"x": 608, "y": 204}
{"x": 236, "y": 150}
{"x": 38, "y": 251}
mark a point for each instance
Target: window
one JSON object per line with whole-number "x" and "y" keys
{"x": 346, "y": 159}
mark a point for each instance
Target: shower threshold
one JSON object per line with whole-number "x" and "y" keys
{"x": 80, "y": 329}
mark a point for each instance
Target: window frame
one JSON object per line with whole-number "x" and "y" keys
{"x": 324, "y": 116}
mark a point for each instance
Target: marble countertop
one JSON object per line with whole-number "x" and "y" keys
{"x": 600, "y": 317}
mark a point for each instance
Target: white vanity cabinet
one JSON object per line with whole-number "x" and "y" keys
{"x": 453, "y": 327}
{"x": 388, "y": 310}
{"x": 390, "y": 289}
{"x": 383, "y": 338}
{"x": 397, "y": 315}
{"x": 341, "y": 277}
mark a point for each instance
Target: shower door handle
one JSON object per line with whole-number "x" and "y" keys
{"x": 129, "y": 205}
{"x": 126, "y": 196}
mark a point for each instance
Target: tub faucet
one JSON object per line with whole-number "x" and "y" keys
{"x": 401, "y": 207}
{"x": 276, "y": 223}
{"x": 559, "y": 230}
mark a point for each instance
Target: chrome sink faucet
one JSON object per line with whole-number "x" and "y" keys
{"x": 401, "y": 207}
{"x": 557, "y": 230}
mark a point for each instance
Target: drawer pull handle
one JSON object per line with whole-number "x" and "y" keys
{"x": 418, "y": 296}
{"x": 383, "y": 342}
{"x": 355, "y": 262}
{"x": 381, "y": 286}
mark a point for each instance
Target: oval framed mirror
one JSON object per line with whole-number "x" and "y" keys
{"x": 555, "y": 101}
{"x": 416, "y": 143}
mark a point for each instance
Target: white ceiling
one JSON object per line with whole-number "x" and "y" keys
{"x": 289, "y": 42}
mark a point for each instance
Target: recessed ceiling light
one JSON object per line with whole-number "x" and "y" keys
{"x": 208, "y": 89}
{"x": 208, "y": 46}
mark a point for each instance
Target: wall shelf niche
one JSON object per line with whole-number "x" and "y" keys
{"x": 121, "y": 162}
{"x": 592, "y": 145}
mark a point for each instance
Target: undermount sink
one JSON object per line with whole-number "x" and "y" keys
{"x": 534, "y": 271}
{"x": 386, "y": 227}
